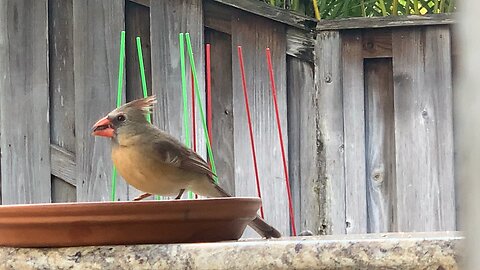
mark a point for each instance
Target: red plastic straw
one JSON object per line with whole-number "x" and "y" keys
{"x": 194, "y": 128}
{"x": 209, "y": 96}
{"x": 247, "y": 107}
{"x": 285, "y": 170}
{"x": 209, "y": 93}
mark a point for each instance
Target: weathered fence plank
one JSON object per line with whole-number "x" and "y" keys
{"x": 423, "y": 129}
{"x": 63, "y": 165}
{"x": 354, "y": 129}
{"x": 62, "y": 93}
{"x": 264, "y": 10}
{"x": 24, "y": 124}
{"x": 303, "y": 148}
{"x": 295, "y": 81}
{"x": 438, "y": 67}
{"x": 377, "y": 43}
{"x": 97, "y": 26}
{"x": 255, "y": 34}
{"x": 222, "y": 107}
{"x": 168, "y": 19}
{"x": 380, "y": 145}
{"x": 456, "y": 52}
{"x": 300, "y": 44}
{"x": 218, "y": 17}
{"x": 137, "y": 24}
{"x": 328, "y": 83}
{"x": 386, "y": 22}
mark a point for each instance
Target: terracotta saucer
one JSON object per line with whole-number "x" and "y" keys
{"x": 119, "y": 223}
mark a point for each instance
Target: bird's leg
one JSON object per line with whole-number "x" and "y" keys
{"x": 180, "y": 194}
{"x": 142, "y": 196}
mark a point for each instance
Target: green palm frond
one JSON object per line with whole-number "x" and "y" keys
{"x": 332, "y": 9}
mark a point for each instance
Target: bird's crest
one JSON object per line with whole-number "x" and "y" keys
{"x": 144, "y": 104}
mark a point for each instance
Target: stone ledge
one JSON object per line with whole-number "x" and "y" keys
{"x": 439, "y": 250}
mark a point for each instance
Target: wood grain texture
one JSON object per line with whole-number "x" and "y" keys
{"x": 137, "y": 24}
{"x": 328, "y": 84}
{"x": 423, "y": 129}
{"x": 386, "y": 22}
{"x": 218, "y": 16}
{"x": 455, "y": 49}
{"x": 380, "y": 145}
{"x": 300, "y": 44}
{"x": 295, "y": 79}
{"x": 354, "y": 129}
{"x": 24, "y": 123}
{"x": 63, "y": 165}
{"x": 276, "y": 14}
{"x": 254, "y": 34}
{"x": 304, "y": 161}
{"x": 168, "y": 19}
{"x": 97, "y": 26}
{"x": 377, "y": 43}
{"x": 145, "y": 3}
{"x": 222, "y": 107}
{"x": 62, "y": 95}
{"x": 438, "y": 67}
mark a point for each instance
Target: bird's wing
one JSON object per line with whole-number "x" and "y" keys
{"x": 172, "y": 152}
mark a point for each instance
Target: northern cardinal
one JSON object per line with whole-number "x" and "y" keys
{"x": 155, "y": 162}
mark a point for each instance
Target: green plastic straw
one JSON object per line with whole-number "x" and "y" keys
{"x": 144, "y": 82}
{"x": 142, "y": 73}
{"x": 119, "y": 101}
{"x": 184, "y": 91}
{"x": 184, "y": 97}
{"x": 202, "y": 115}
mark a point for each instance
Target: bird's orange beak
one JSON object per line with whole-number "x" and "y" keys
{"x": 103, "y": 128}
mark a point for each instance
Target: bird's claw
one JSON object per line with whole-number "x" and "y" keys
{"x": 142, "y": 196}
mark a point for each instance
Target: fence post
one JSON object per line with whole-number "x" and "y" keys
{"x": 328, "y": 187}
{"x": 24, "y": 123}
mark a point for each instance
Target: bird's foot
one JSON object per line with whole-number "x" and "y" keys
{"x": 142, "y": 196}
{"x": 180, "y": 194}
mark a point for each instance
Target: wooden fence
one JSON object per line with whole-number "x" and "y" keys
{"x": 367, "y": 113}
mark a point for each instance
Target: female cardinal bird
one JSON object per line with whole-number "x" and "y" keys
{"x": 157, "y": 163}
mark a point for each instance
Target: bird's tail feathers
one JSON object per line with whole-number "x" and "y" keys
{"x": 258, "y": 224}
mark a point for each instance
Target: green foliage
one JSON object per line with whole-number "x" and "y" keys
{"x": 333, "y": 9}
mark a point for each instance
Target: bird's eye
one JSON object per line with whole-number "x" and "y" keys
{"x": 121, "y": 118}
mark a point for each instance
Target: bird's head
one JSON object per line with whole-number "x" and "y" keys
{"x": 124, "y": 119}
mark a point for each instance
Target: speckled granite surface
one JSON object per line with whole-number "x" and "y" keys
{"x": 377, "y": 251}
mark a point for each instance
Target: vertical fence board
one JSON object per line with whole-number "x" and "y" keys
{"x": 222, "y": 107}
{"x": 328, "y": 83}
{"x": 97, "y": 26}
{"x": 354, "y": 129}
{"x": 24, "y": 125}
{"x": 423, "y": 127}
{"x": 137, "y": 24}
{"x": 295, "y": 81}
{"x": 168, "y": 19}
{"x": 455, "y": 49}
{"x": 380, "y": 131}
{"x": 62, "y": 89}
{"x": 303, "y": 148}
{"x": 254, "y": 34}
{"x": 438, "y": 70}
